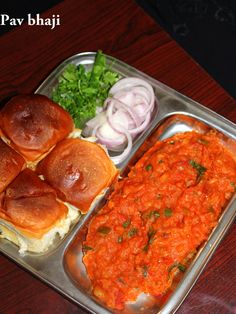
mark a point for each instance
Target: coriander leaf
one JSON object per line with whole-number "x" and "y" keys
{"x": 126, "y": 223}
{"x": 168, "y": 212}
{"x": 81, "y": 91}
{"x": 180, "y": 266}
{"x": 104, "y": 229}
{"x": 233, "y": 185}
{"x": 151, "y": 233}
{"x": 203, "y": 141}
{"x": 149, "y": 167}
{"x": 145, "y": 270}
{"x": 132, "y": 232}
{"x": 86, "y": 248}
{"x": 200, "y": 169}
{"x": 154, "y": 213}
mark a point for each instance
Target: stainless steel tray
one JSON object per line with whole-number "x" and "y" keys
{"x": 61, "y": 267}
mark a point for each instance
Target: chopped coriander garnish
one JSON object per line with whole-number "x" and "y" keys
{"x": 151, "y": 233}
{"x": 168, "y": 212}
{"x": 203, "y": 141}
{"x": 104, "y": 230}
{"x": 132, "y": 232}
{"x": 86, "y": 248}
{"x": 146, "y": 247}
{"x": 149, "y": 167}
{"x": 126, "y": 223}
{"x": 211, "y": 209}
{"x": 80, "y": 91}
{"x": 180, "y": 266}
{"x": 200, "y": 169}
{"x": 154, "y": 213}
{"x": 121, "y": 280}
{"x": 233, "y": 185}
{"x": 145, "y": 271}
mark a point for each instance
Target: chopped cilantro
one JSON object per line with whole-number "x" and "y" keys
{"x": 233, "y": 185}
{"x": 149, "y": 167}
{"x": 203, "y": 141}
{"x": 151, "y": 233}
{"x": 145, "y": 270}
{"x": 168, "y": 212}
{"x": 132, "y": 232}
{"x": 200, "y": 169}
{"x": 104, "y": 230}
{"x": 180, "y": 266}
{"x": 87, "y": 248}
{"x": 121, "y": 280}
{"x": 80, "y": 91}
{"x": 154, "y": 214}
{"x": 211, "y": 209}
{"x": 126, "y": 223}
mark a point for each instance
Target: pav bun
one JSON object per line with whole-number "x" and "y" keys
{"x": 34, "y": 124}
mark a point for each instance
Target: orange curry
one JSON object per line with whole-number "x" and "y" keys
{"x": 158, "y": 216}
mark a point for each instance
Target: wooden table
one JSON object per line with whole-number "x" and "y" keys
{"x": 122, "y": 29}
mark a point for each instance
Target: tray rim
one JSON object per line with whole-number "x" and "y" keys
{"x": 224, "y": 125}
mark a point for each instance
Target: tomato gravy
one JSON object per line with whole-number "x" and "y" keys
{"x": 158, "y": 216}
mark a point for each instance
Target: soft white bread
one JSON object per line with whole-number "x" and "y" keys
{"x": 31, "y": 215}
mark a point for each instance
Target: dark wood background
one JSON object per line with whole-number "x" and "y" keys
{"x": 121, "y": 29}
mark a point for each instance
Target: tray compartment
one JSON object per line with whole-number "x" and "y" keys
{"x": 74, "y": 267}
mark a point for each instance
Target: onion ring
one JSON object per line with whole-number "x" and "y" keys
{"x": 126, "y": 113}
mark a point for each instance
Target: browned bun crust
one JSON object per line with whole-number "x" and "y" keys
{"x": 79, "y": 170}
{"x": 10, "y": 166}
{"x": 31, "y": 205}
{"x": 34, "y": 124}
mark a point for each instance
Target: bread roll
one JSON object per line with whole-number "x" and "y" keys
{"x": 31, "y": 215}
{"x": 10, "y": 166}
{"x": 79, "y": 170}
{"x": 34, "y": 124}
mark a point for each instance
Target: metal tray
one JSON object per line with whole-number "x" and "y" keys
{"x": 61, "y": 267}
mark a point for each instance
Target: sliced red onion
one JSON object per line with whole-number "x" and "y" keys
{"x": 132, "y": 82}
{"x": 117, "y": 104}
{"x": 114, "y": 143}
{"x": 98, "y": 119}
{"x": 119, "y": 158}
{"x": 125, "y": 114}
{"x": 142, "y": 127}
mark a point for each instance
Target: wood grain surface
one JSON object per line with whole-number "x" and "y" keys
{"x": 121, "y": 29}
